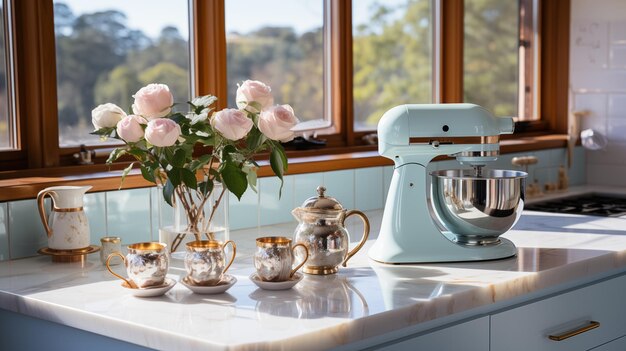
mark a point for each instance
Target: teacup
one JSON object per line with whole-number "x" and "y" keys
{"x": 205, "y": 261}
{"x": 274, "y": 258}
{"x": 146, "y": 264}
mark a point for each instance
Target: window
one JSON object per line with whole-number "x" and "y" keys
{"x": 107, "y": 50}
{"x": 280, "y": 43}
{"x": 391, "y": 57}
{"x": 343, "y": 62}
{"x": 7, "y": 126}
{"x": 498, "y": 35}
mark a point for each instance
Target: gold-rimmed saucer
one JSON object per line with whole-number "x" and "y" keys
{"x": 287, "y": 284}
{"x": 224, "y": 284}
{"x": 74, "y": 255}
{"x": 151, "y": 291}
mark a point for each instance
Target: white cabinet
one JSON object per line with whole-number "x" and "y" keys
{"x": 528, "y": 327}
{"x": 615, "y": 345}
{"x": 468, "y": 336}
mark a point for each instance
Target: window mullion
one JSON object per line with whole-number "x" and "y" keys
{"x": 452, "y": 31}
{"x": 209, "y": 50}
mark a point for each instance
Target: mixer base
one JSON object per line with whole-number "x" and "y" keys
{"x": 449, "y": 252}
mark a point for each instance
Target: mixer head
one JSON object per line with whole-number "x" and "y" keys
{"x": 467, "y": 132}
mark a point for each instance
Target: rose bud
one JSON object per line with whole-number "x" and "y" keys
{"x": 231, "y": 123}
{"x": 130, "y": 129}
{"x": 162, "y": 132}
{"x": 106, "y": 116}
{"x": 276, "y": 123}
{"x": 153, "y": 101}
{"x": 254, "y": 91}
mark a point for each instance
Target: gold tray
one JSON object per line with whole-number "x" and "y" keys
{"x": 75, "y": 255}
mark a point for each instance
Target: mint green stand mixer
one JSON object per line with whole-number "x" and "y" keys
{"x": 449, "y": 215}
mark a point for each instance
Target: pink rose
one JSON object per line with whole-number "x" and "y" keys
{"x": 254, "y": 96}
{"x": 162, "y": 132}
{"x": 153, "y": 101}
{"x": 106, "y": 116}
{"x": 130, "y": 129}
{"x": 231, "y": 123}
{"x": 277, "y": 121}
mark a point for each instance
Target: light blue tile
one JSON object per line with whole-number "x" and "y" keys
{"x": 578, "y": 172}
{"x": 340, "y": 185}
{"x": 273, "y": 209}
{"x": 95, "y": 209}
{"x": 128, "y": 215}
{"x": 4, "y": 232}
{"x": 305, "y": 186}
{"x": 558, "y": 157}
{"x": 27, "y": 234}
{"x": 243, "y": 213}
{"x": 387, "y": 175}
{"x": 368, "y": 188}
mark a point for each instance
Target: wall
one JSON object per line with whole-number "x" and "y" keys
{"x": 598, "y": 81}
{"x": 133, "y": 214}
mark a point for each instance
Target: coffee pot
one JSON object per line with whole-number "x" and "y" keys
{"x": 67, "y": 227}
{"x": 322, "y": 231}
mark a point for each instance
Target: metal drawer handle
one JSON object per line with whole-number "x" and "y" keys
{"x": 569, "y": 334}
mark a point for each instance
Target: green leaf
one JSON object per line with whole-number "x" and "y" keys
{"x": 234, "y": 179}
{"x": 206, "y": 187}
{"x": 255, "y": 139}
{"x": 148, "y": 173}
{"x": 168, "y": 192}
{"x": 226, "y": 151}
{"x": 278, "y": 161}
{"x": 125, "y": 173}
{"x": 174, "y": 177}
{"x": 178, "y": 160}
{"x": 179, "y": 118}
{"x": 189, "y": 178}
{"x": 115, "y": 154}
{"x": 103, "y": 131}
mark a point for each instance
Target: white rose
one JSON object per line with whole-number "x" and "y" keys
{"x": 231, "y": 123}
{"x": 276, "y": 123}
{"x": 106, "y": 116}
{"x": 254, "y": 96}
{"x": 130, "y": 129}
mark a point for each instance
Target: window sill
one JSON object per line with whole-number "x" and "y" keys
{"x": 18, "y": 185}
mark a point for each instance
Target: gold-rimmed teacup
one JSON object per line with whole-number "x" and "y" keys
{"x": 274, "y": 258}
{"x": 205, "y": 261}
{"x": 146, "y": 264}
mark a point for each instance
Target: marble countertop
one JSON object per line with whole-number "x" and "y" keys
{"x": 364, "y": 300}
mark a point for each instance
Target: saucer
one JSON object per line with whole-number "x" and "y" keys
{"x": 152, "y": 291}
{"x": 224, "y": 284}
{"x": 287, "y": 284}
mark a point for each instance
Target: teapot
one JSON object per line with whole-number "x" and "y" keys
{"x": 68, "y": 227}
{"x": 322, "y": 230}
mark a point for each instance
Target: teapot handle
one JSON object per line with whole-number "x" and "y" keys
{"x": 42, "y": 211}
{"x": 366, "y": 233}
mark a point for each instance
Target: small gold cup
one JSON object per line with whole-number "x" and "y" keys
{"x": 205, "y": 261}
{"x": 274, "y": 258}
{"x": 146, "y": 264}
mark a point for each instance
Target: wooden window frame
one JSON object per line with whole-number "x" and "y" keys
{"x": 36, "y": 99}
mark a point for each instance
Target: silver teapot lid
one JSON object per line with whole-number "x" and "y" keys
{"x": 322, "y": 203}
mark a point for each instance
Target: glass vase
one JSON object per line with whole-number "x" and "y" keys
{"x": 183, "y": 223}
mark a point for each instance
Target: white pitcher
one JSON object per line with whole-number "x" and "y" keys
{"x": 68, "y": 227}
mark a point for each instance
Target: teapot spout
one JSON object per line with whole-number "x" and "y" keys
{"x": 297, "y": 213}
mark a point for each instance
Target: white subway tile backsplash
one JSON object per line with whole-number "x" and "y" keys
{"x": 588, "y": 40}
{"x": 274, "y": 209}
{"x": 95, "y": 209}
{"x": 340, "y": 185}
{"x": 596, "y": 105}
{"x": 4, "y": 232}
{"x": 244, "y": 213}
{"x": 618, "y": 32}
{"x": 129, "y": 216}
{"x": 612, "y": 154}
{"x": 27, "y": 232}
{"x": 617, "y": 105}
{"x": 368, "y": 188}
{"x": 577, "y": 173}
{"x": 305, "y": 186}
{"x": 617, "y": 57}
{"x": 611, "y": 175}
{"x": 598, "y": 81}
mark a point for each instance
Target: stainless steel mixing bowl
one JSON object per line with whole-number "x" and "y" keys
{"x": 477, "y": 209}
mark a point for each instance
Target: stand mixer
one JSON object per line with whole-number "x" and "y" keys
{"x": 467, "y": 210}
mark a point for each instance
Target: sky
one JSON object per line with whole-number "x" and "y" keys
{"x": 241, "y": 15}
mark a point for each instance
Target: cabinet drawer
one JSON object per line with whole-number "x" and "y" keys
{"x": 528, "y": 327}
{"x": 615, "y": 345}
{"x": 468, "y": 336}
